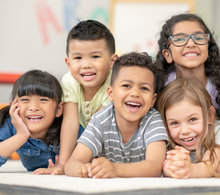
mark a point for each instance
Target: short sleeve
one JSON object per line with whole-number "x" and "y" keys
{"x": 69, "y": 87}
{"x": 155, "y": 129}
{"x": 92, "y": 138}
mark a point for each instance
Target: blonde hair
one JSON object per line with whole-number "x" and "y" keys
{"x": 193, "y": 91}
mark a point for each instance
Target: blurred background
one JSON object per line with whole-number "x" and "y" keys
{"x": 33, "y": 32}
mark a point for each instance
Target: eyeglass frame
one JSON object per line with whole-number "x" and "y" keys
{"x": 188, "y": 37}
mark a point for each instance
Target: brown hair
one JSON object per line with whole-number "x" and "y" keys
{"x": 193, "y": 91}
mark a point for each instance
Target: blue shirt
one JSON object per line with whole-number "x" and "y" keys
{"x": 33, "y": 154}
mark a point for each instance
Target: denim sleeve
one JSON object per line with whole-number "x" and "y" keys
{"x": 6, "y": 131}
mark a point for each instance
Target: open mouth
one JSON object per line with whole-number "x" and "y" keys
{"x": 191, "y": 54}
{"x": 133, "y": 105}
{"x": 34, "y": 118}
{"x": 88, "y": 75}
{"x": 192, "y": 139}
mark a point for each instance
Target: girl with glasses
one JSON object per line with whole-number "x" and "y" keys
{"x": 187, "y": 49}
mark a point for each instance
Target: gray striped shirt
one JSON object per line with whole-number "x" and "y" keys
{"x": 104, "y": 139}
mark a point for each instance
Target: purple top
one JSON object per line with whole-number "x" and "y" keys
{"x": 210, "y": 87}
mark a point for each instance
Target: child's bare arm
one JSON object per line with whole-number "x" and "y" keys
{"x": 78, "y": 164}
{"x": 7, "y": 147}
{"x": 68, "y": 137}
{"x": 151, "y": 167}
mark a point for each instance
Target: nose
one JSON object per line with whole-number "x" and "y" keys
{"x": 135, "y": 92}
{"x": 34, "y": 107}
{"x": 86, "y": 64}
{"x": 190, "y": 43}
{"x": 185, "y": 129}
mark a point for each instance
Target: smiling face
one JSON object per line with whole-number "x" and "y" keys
{"x": 38, "y": 113}
{"x": 185, "y": 124}
{"x": 89, "y": 62}
{"x": 188, "y": 56}
{"x": 133, "y": 94}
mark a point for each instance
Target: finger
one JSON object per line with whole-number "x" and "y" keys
{"x": 50, "y": 163}
{"x": 84, "y": 172}
{"x": 41, "y": 171}
{"x": 176, "y": 163}
{"x": 58, "y": 170}
{"x": 182, "y": 149}
{"x": 100, "y": 174}
{"x": 93, "y": 171}
{"x": 56, "y": 159}
{"x": 95, "y": 162}
{"x": 180, "y": 156}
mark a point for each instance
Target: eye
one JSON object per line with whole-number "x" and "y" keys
{"x": 95, "y": 57}
{"x": 144, "y": 88}
{"x": 44, "y": 99}
{"x": 126, "y": 85}
{"x": 174, "y": 123}
{"x": 77, "y": 58}
{"x": 23, "y": 99}
{"x": 192, "y": 119}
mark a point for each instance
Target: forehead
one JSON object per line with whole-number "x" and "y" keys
{"x": 136, "y": 74}
{"x": 187, "y": 27}
{"x": 88, "y": 45}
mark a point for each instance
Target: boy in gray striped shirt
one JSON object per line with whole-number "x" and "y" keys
{"x": 128, "y": 136}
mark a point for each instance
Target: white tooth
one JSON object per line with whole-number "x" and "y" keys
{"x": 132, "y": 103}
{"x": 191, "y": 54}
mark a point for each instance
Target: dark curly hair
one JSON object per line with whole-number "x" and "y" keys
{"x": 212, "y": 64}
{"x": 91, "y": 30}
{"x": 142, "y": 60}
{"x": 37, "y": 82}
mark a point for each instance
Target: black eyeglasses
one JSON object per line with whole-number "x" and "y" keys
{"x": 181, "y": 39}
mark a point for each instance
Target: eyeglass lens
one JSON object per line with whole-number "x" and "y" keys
{"x": 199, "y": 38}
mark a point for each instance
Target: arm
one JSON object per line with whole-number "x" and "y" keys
{"x": 151, "y": 167}
{"x": 78, "y": 164}
{"x": 10, "y": 145}
{"x": 198, "y": 170}
{"x": 68, "y": 137}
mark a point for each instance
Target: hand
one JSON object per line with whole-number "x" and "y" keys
{"x": 56, "y": 170}
{"x": 177, "y": 165}
{"x": 17, "y": 121}
{"x": 51, "y": 164}
{"x": 102, "y": 168}
{"x": 84, "y": 170}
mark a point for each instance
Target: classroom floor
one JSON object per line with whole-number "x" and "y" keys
{"x": 15, "y": 180}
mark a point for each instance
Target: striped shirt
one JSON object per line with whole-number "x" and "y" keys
{"x": 104, "y": 139}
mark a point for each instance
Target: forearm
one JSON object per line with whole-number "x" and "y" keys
{"x": 72, "y": 167}
{"x": 139, "y": 169}
{"x": 7, "y": 147}
{"x": 200, "y": 170}
{"x": 68, "y": 140}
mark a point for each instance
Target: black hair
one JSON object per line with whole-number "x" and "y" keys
{"x": 212, "y": 64}
{"x": 91, "y": 30}
{"x": 142, "y": 60}
{"x": 36, "y": 82}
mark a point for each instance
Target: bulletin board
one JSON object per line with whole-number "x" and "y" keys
{"x": 136, "y": 23}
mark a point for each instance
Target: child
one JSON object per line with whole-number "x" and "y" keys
{"x": 128, "y": 135}
{"x": 90, "y": 55}
{"x": 188, "y": 114}
{"x": 33, "y": 127}
{"x": 188, "y": 49}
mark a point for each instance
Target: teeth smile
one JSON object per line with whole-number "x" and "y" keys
{"x": 191, "y": 54}
{"x": 190, "y": 139}
{"x": 133, "y": 104}
{"x": 34, "y": 117}
{"x": 88, "y": 75}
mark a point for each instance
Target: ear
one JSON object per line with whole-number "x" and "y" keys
{"x": 211, "y": 116}
{"x": 168, "y": 56}
{"x": 113, "y": 58}
{"x": 59, "y": 110}
{"x": 153, "y": 100}
{"x": 110, "y": 93}
{"x": 67, "y": 62}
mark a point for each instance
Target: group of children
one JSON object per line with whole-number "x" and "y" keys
{"x": 124, "y": 116}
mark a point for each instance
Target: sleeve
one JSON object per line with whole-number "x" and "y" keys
{"x": 5, "y": 133}
{"x": 68, "y": 86}
{"x": 155, "y": 129}
{"x": 92, "y": 137}
{"x": 106, "y": 102}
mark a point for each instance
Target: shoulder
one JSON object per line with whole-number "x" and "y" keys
{"x": 68, "y": 78}
{"x": 170, "y": 77}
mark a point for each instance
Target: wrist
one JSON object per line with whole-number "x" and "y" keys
{"x": 164, "y": 168}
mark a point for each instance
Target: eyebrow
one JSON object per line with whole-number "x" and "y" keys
{"x": 93, "y": 52}
{"x": 187, "y": 34}
{"x": 142, "y": 83}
